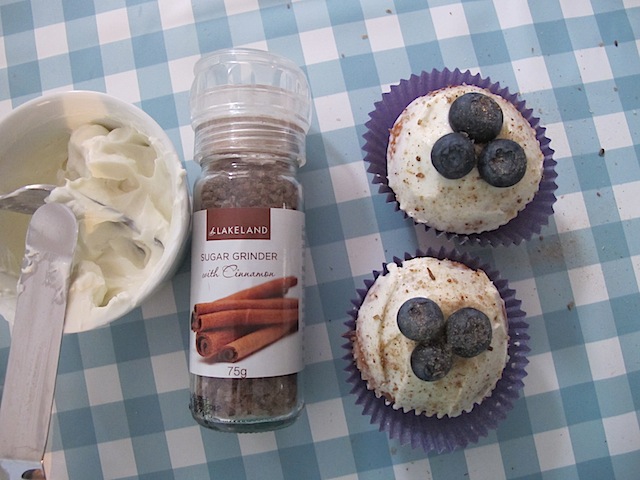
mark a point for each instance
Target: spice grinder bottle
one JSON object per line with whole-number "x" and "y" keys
{"x": 250, "y": 111}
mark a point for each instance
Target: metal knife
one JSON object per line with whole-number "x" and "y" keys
{"x": 25, "y": 411}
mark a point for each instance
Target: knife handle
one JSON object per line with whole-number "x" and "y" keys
{"x": 21, "y": 470}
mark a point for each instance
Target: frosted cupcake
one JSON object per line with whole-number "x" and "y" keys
{"x": 462, "y": 156}
{"x": 438, "y": 348}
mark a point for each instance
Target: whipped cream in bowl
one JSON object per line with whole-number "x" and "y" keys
{"x": 118, "y": 171}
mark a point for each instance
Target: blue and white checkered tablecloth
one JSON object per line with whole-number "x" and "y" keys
{"x": 122, "y": 392}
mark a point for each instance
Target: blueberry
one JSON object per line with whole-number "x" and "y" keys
{"x": 421, "y": 319}
{"x": 502, "y": 163}
{"x": 453, "y": 155}
{"x": 431, "y": 361}
{"x": 476, "y": 114}
{"x": 468, "y": 332}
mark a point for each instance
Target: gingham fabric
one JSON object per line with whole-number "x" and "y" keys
{"x": 122, "y": 391}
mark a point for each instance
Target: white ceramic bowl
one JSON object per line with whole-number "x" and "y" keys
{"x": 33, "y": 147}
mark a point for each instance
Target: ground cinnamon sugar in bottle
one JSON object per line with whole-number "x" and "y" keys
{"x": 250, "y": 111}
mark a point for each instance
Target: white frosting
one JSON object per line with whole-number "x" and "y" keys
{"x": 466, "y": 205}
{"x": 120, "y": 188}
{"x": 382, "y": 352}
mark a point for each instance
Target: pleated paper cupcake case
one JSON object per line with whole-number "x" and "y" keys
{"x": 528, "y": 222}
{"x": 447, "y": 434}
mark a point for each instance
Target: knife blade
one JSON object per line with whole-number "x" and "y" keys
{"x": 25, "y": 410}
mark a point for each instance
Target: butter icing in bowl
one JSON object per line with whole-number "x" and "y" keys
{"x": 111, "y": 161}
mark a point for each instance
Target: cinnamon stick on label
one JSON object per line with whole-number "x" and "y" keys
{"x": 210, "y": 343}
{"x": 273, "y": 288}
{"x": 240, "y": 304}
{"x": 245, "y": 317}
{"x": 251, "y": 343}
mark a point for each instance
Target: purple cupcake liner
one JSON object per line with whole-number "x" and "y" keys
{"x": 446, "y": 434}
{"x": 528, "y": 222}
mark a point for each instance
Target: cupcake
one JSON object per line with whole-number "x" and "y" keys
{"x": 462, "y": 156}
{"x": 437, "y": 350}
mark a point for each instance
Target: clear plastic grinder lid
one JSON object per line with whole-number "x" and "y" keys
{"x": 249, "y": 83}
